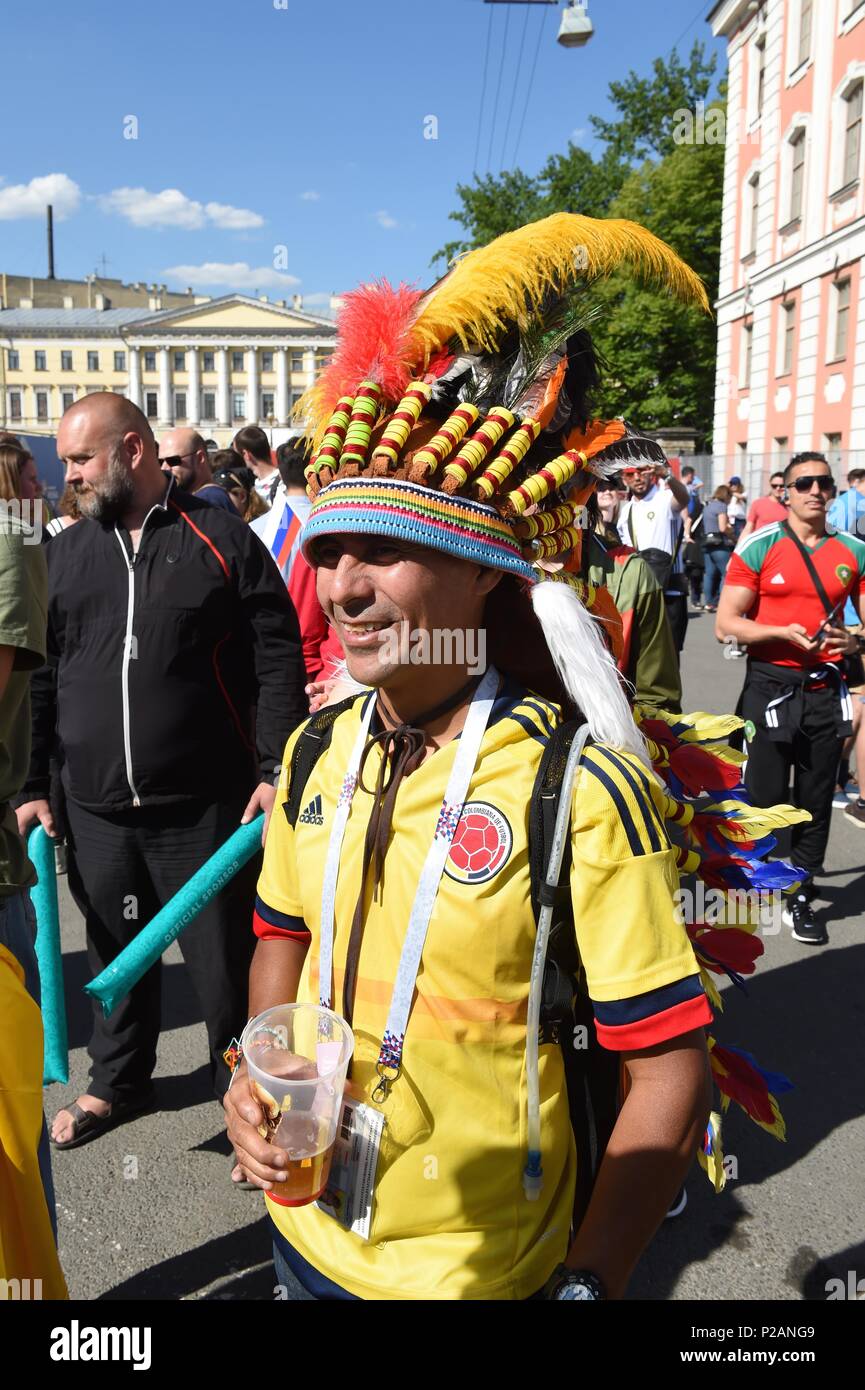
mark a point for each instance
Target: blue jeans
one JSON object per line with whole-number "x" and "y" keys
{"x": 18, "y": 935}
{"x": 716, "y": 567}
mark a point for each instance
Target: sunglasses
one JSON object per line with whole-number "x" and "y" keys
{"x": 777, "y": 487}
{"x": 805, "y": 484}
{"x": 174, "y": 460}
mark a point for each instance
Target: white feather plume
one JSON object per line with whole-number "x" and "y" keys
{"x": 586, "y": 667}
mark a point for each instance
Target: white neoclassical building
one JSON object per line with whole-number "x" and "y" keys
{"x": 214, "y": 366}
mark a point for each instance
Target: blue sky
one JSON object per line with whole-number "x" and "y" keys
{"x": 295, "y": 124}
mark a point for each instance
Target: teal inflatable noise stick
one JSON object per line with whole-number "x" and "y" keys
{"x": 118, "y": 978}
{"x": 40, "y": 848}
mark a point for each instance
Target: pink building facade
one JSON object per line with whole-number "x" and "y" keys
{"x": 791, "y": 302}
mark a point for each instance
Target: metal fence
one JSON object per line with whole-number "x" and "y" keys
{"x": 756, "y": 469}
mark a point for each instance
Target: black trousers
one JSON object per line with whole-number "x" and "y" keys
{"x": 122, "y": 869}
{"x": 812, "y": 755}
{"x": 677, "y": 613}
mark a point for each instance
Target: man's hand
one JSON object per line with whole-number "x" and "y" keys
{"x": 318, "y": 693}
{"x": 259, "y": 1161}
{"x": 262, "y": 799}
{"x": 798, "y": 635}
{"x": 837, "y": 641}
{"x": 33, "y": 811}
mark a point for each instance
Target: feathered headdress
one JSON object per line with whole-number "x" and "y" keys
{"x": 458, "y": 418}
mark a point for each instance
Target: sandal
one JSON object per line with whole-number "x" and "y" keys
{"x": 87, "y": 1125}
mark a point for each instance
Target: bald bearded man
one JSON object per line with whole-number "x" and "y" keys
{"x": 175, "y": 677}
{"x": 183, "y": 453}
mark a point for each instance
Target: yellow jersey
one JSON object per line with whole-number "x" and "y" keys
{"x": 450, "y": 1219}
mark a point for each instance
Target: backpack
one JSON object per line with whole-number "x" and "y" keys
{"x": 591, "y": 1071}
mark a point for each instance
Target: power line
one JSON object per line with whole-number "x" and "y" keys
{"x": 483, "y": 89}
{"x": 520, "y": 51}
{"x": 498, "y": 88}
{"x": 542, "y": 13}
{"x": 697, "y": 16}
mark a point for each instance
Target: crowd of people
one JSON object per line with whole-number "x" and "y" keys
{"x": 161, "y": 652}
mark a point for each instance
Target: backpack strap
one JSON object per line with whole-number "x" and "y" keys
{"x": 810, "y": 567}
{"x": 592, "y": 1073}
{"x": 311, "y": 744}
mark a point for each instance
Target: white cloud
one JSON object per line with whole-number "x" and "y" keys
{"x": 234, "y": 275}
{"x": 30, "y": 199}
{"x": 232, "y": 219}
{"x": 171, "y": 208}
{"x": 310, "y": 196}
{"x": 384, "y": 219}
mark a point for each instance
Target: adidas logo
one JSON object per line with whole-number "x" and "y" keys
{"x": 777, "y": 579}
{"x": 311, "y": 814}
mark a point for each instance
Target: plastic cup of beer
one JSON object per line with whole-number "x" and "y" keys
{"x": 297, "y": 1058}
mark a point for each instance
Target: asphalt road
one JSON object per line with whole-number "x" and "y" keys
{"x": 149, "y": 1211}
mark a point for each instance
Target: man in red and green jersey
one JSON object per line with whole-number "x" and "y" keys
{"x": 784, "y": 598}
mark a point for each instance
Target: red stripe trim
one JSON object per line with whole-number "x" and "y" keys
{"x": 670, "y": 1023}
{"x": 226, "y": 697}
{"x": 207, "y": 541}
{"x": 266, "y": 931}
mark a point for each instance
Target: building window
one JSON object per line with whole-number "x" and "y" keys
{"x": 755, "y": 212}
{"x": 780, "y": 444}
{"x": 238, "y": 405}
{"x": 842, "y": 319}
{"x": 208, "y": 403}
{"x": 180, "y": 361}
{"x": 761, "y": 74}
{"x": 41, "y": 405}
{"x": 13, "y": 361}
{"x": 66, "y": 361}
{"x": 267, "y": 361}
{"x": 207, "y": 362}
{"x": 295, "y": 397}
{"x": 797, "y": 179}
{"x": 39, "y": 361}
{"x": 180, "y": 405}
{"x": 786, "y": 340}
{"x": 67, "y": 398}
{"x": 14, "y": 405}
{"x": 150, "y": 361}
{"x": 151, "y": 404}
{"x": 747, "y": 338}
{"x": 93, "y": 361}
{"x": 267, "y": 409}
{"x": 120, "y": 361}
{"x": 805, "y": 10}
{"x": 237, "y": 361}
{"x": 297, "y": 361}
{"x": 852, "y": 134}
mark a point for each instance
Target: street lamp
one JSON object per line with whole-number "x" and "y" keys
{"x": 576, "y": 28}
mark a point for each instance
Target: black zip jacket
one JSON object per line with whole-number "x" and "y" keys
{"x": 174, "y": 674}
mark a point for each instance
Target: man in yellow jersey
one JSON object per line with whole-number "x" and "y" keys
{"x": 397, "y": 890}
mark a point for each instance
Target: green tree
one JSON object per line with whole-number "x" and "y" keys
{"x": 661, "y": 354}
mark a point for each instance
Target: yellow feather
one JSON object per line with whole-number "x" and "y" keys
{"x": 490, "y": 287}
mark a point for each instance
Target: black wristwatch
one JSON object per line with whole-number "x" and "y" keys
{"x": 574, "y": 1285}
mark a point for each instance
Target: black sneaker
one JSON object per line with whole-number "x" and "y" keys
{"x": 800, "y": 916}
{"x": 855, "y": 812}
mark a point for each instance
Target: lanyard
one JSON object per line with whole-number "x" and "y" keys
{"x": 447, "y": 820}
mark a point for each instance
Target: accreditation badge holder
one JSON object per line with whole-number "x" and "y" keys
{"x": 349, "y": 1193}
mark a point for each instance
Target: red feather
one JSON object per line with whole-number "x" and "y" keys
{"x": 738, "y": 949}
{"x": 374, "y": 341}
{"x": 743, "y": 1084}
{"x": 699, "y": 771}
